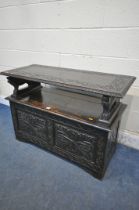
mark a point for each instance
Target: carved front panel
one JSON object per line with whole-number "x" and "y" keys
{"x": 75, "y": 142}
{"x": 34, "y": 126}
{"x": 88, "y": 147}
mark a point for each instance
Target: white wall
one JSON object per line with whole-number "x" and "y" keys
{"x": 99, "y": 35}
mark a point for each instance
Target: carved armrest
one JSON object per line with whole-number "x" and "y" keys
{"x": 16, "y": 83}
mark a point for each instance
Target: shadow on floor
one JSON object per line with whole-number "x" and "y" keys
{"x": 33, "y": 179}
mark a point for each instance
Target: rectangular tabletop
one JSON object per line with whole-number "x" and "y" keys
{"x": 75, "y": 80}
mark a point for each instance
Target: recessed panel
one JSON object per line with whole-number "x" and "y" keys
{"x": 34, "y": 126}
{"x": 75, "y": 142}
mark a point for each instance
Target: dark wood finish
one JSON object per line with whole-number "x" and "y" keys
{"x": 86, "y": 82}
{"x": 76, "y": 116}
{"x": 81, "y": 108}
{"x": 17, "y": 83}
{"x": 90, "y": 147}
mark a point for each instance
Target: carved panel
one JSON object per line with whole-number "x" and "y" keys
{"x": 75, "y": 142}
{"x": 34, "y": 126}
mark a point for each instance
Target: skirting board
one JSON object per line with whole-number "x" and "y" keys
{"x": 129, "y": 139}
{"x": 125, "y": 137}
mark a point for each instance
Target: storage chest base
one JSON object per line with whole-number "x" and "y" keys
{"x": 89, "y": 147}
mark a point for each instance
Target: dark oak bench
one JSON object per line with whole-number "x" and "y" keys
{"x": 71, "y": 113}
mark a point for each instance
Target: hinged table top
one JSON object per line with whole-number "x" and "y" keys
{"x": 76, "y": 80}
